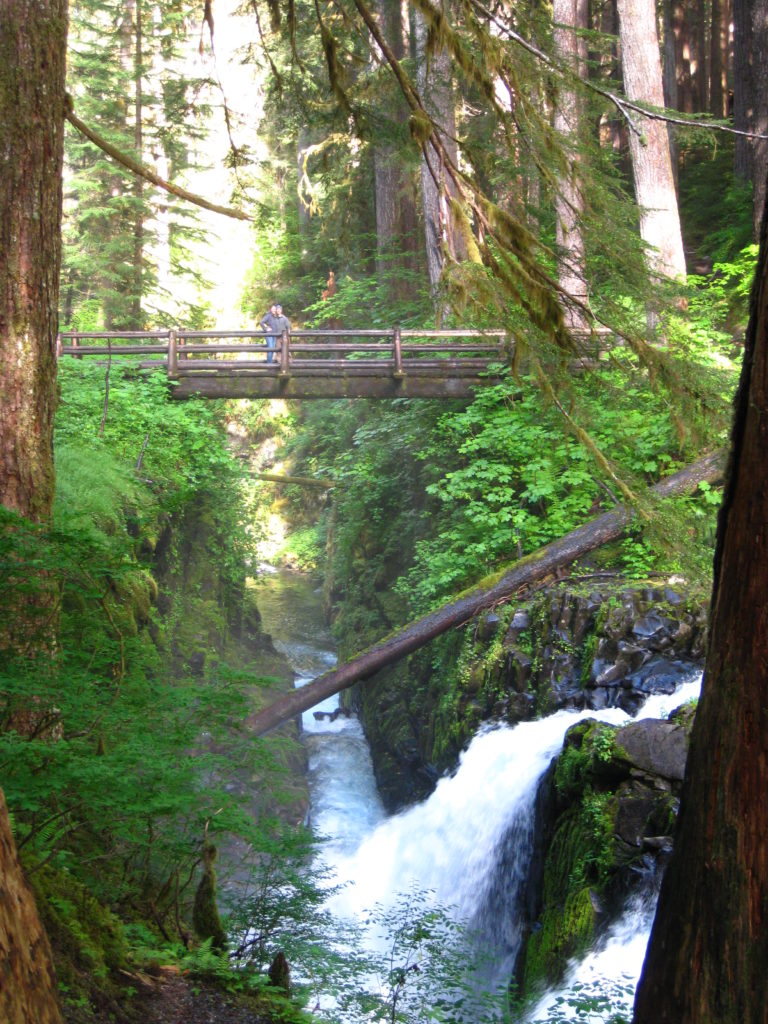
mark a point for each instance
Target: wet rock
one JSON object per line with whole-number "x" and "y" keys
{"x": 660, "y": 676}
{"x": 635, "y": 811}
{"x": 521, "y": 621}
{"x": 518, "y": 669}
{"x": 584, "y": 616}
{"x": 489, "y": 626}
{"x": 632, "y": 655}
{"x": 521, "y": 707}
{"x": 610, "y": 673}
{"x": 599, "y": 698}
{"x": 654, "y": 746}
{"x": 648, "y": 626}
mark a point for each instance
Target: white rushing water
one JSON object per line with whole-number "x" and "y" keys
{"x": 469, "y": 844}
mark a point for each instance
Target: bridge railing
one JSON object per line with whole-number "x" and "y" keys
{"x": 394, "y": 352}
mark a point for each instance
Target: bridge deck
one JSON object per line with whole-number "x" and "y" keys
{"x": 307, "y": 364}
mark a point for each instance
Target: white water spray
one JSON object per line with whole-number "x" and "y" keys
{"x": 470, "y": 841}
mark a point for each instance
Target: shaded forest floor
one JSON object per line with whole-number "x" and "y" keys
{"x": 168, "y": 996}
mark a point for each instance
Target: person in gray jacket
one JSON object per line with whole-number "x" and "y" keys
{"x": 273, "y": 323}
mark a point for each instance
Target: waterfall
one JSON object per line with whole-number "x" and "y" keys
{"x": 469, "y": 844}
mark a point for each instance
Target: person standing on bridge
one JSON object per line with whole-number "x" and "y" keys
{"x": 268, "y": 324}
{"x": 274, "y": 323}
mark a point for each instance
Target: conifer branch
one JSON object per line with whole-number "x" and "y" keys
{"x": 144, "y": 172}
{"x": 621, "y": 103}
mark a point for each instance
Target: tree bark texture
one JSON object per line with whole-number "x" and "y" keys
{"x": 435, "y": 82}
{"x": 32, "y": 55}
{"x": 718, "y": 65}
{"x": 33, "y": 37}
{"x": 651, "y": 162}
{"x": 136, "y": 318}
{"x": 529, "y": 570}
{"x": 706, "y": 960}
{"x": 570, "y": 16}
{"x": 742, "y": 85}
{"x": 27, "y": 980}
{"x": 395, "y": 201}
{"x": 759, "y": 161}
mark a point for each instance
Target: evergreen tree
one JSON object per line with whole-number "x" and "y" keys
{"x": 127, "y": 77}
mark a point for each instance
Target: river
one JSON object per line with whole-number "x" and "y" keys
{"x": 462, "y": 854}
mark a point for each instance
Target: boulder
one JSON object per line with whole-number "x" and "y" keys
{"x": 655, "y": 747}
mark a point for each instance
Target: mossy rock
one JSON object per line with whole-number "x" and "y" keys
{"x": 590, "y": 756}
{"x": 565, "y": 931}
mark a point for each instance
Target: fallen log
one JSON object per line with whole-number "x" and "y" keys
{"x": 299, "y": 481}
{"x": 532, "y": 568}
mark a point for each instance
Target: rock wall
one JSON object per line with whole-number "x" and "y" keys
{"x": 562, "y": 647}
{"x": 607, "y": 813}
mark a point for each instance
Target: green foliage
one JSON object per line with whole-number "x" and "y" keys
{"x": 305, "y": 548}
{"x": 113, "y": 251}
{"x": 596, "y": 1002}
{"x": 117, "y": 757}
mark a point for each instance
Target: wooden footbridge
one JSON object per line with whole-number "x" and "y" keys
{"x": 306, "y": 363}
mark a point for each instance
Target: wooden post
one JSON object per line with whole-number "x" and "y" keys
{"x": 58, "y": 346}
{"x": 397, "y": 350}
{"x": 173, "y": 356}
{"x": 180, "y": 357}
{"x": 75, "y": 344}
{"x": 285, "y": 354}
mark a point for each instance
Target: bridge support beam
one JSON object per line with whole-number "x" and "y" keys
{"x": 299, "y": 385}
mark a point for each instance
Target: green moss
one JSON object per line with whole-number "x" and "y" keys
{"x": 589, "y": 755}
{"x": 205, "y": 913}
{"x": 87, "y": 939}
{"x": 565, "y": 932}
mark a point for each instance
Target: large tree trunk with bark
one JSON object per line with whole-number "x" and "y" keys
{"x": 750, "y": 97}
{"x": 32, "y": 61}
{"x": 435, "y": 81}
{"x": 759, "y": 163}
{"x": 32, "y": 38}
{"x": 396, "y": 221}
{"x": 742, "y": 85}
{"x": 707, "y": 957}
{"x": 651, "y": 162}
{"x": 718, "y": 66}
{"x": 28, "y": 988}
{"x": 570, "y": 17}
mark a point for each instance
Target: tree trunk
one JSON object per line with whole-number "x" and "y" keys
{"x": 760, "y": 120}
{"x": 396, "y": 221}
{"x": 706, "y": 961}
{"x": 718, "y": 74}
{"x": 435, "y": 82}
{"x": 528, "y": 570}
{"x": 33, "y": 37}
{"x": 750, "y": 96}
{"x": 138, "y": 183}
{"x": 651, "y": 163}
{"x": 570, "y": 16}
{"x": 28, "y": 991}
{"x": 702, "y": 54}
{"x": 742, "y": 85}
